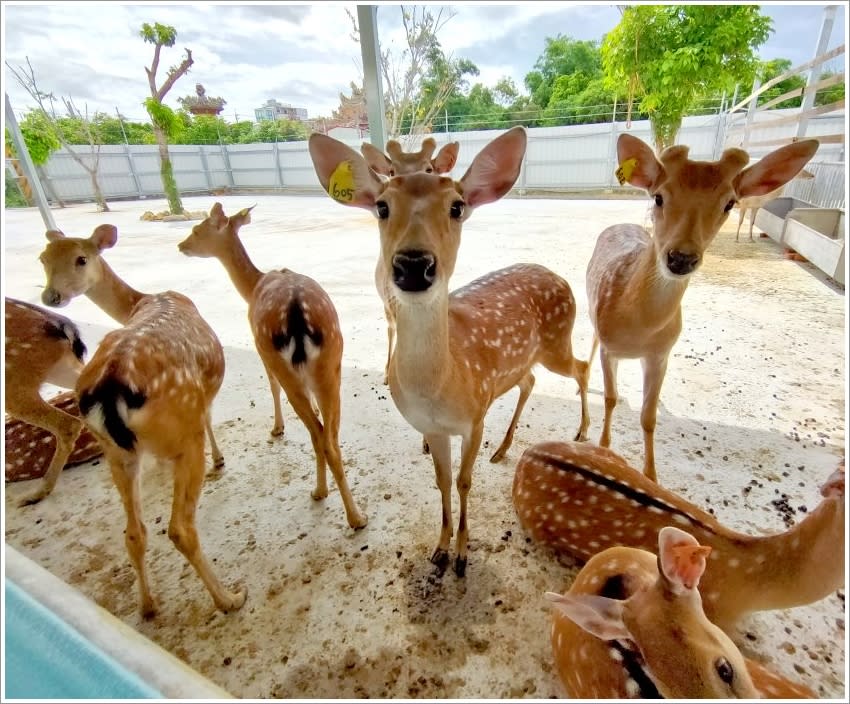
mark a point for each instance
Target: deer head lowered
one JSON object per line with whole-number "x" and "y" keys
{"x": 148, "y": 388}
{"x": 580, "y": 499}
{"x": 456, "y": 353}
{"x": 635, "y": 282}
{"x": 632, "y": 626}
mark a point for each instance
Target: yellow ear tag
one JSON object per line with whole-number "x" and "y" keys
{"x": 341, "y": 184}
{"x": 625, "y": 170}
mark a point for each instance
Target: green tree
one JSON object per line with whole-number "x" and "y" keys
{"x": 769, "y": 70}
{"x": 166, "y": 123}
{"x": 562, "y": 56}
{"x": 281, "y": 130}
{"x": 39, "y": 136}
{"x": 672, "y": 55}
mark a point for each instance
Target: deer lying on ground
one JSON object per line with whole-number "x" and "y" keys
{"x": 635, "y": 282}
{"x": 753, "y": 203}
{"x": 632, "y": 626}
{"x": 456, "y": 353}
{"x": 580, "y": 499}
{"x": 30, "y": 449}
{"x": 148, "y": 389}
{"x": 297, "y": 335}
{"x": 401, "y": 163}
{"x": 42, "y": 347}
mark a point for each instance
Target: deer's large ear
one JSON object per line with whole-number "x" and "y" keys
{"x": 54, "y": 235}
{"x": 637, "y": 163}
{"x": 377, "y": 160}
{"x": 217, "y": 217}
{"x": 243, "y": 217}
{"x": 446, "y": 158}
{"x": 343, "y": 173}
{"x": 598, "y": 615}
{"x": 104, "y": 237}
{"x": 776, "y": 169}
{"x": 681, "y": 559}
{"x": 495, "y": 169}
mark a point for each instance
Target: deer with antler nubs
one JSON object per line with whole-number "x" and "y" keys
{"x": 400, "y": 163}
{"x": 456, "y": 352}
{"x": 636, "y": 281}
{"x": 148, "y": 388}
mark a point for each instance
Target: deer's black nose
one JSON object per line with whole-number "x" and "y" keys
{"x": 51, "y": 297}
{"x": 414, "y": 270}
{"x": 681, "y": 263}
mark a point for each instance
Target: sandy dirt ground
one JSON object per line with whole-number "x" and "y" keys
{"x": 753, "y": 408}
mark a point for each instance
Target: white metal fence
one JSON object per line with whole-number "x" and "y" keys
{"x": 569, "y": 158}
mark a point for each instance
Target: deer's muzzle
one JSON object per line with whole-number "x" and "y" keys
{"x": 414, "y": 270}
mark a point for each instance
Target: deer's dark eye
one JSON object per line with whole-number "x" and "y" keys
{"x": 383, "y": 209}
{"x": 659, "y": 201}
{"x": 81, "y": 261}
{"x": 724, "y": 670}
{"x": 429, "y": 169}
{"x": 456, "y": 211}
{"x": 729, "y": 206}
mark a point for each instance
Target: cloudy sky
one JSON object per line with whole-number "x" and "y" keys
{"x": 299, "y": 54}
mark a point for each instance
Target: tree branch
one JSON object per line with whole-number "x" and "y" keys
{"x": 173, "y": 75}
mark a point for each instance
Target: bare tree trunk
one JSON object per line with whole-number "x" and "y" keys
{"x": 98, "y": 194}
{"x": 167, "y": 173}
{"x": 51, "y": 192}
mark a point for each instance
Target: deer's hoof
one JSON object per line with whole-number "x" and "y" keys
{"x": 460, "y": 566}
{"x": 441, "y": 559}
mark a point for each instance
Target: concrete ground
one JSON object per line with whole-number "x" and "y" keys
{"x": 755, "y": 390}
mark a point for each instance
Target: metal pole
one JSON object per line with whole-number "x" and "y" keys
{"x": 367, "y": 18}
{"x": 815, "y": 71}
{"x": 129, "y": 154}
{"x": 28, "y": 167}
{"x": 751, "y": 112}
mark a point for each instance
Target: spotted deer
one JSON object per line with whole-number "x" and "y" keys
{"x": 753, "y": 203}
{"x": 41, "y": 347}
{"x": 30, "y": 449}
{"x": 580, "y": 499}
{"x": 297, "y": 335}
{"x": 148, "y": 389}
{"x": 632, "y": 625}
{"x": 401, "y": 163}
{"x": 456, "y": 353}
{"x": 636, "y": 281}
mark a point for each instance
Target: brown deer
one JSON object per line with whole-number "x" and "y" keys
{"x": 401, "y": 163}
{"x": 30, "y": 449}
{"x": 632, "y": 626}
{"x": 147, "y": 389}
{"x": 456, "y": 353}
{"x": 635, "y": 282}
{"x": 580, "y": 499}
{"x": 753, "y": 203}
{"x": 41, "y": 347}
{"x": 297, "y": 335}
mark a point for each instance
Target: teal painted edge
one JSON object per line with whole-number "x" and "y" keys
{"x": 47, "y": 658}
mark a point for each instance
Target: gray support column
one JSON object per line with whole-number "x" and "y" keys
{"x": 28, "y": 166}
{"x": 815, "y": 71}
{"x": 367, "y": 19}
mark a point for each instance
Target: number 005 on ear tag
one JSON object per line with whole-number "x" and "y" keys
{"x": 625, "y": 170}
{"x": 341, "y": 184}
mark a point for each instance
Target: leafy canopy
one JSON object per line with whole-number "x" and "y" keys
{"x": 672, "y": 55}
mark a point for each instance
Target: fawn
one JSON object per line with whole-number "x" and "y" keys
{"x": 41, "y": 347}
{"x": 147, "y": 389}
{"x": 632, "y": 626}
{"x": 635, "y": 282}
{"x": 456, "y": 353}
{"x": 753, "y": 203}
{"x": 581, "y": 499}
{"x": 297, "y": 335}
{"x": 400, "y": 163}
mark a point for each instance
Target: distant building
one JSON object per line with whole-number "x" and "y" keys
{"x": 201, "y": 103}
{"x": 273, "y": 110}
